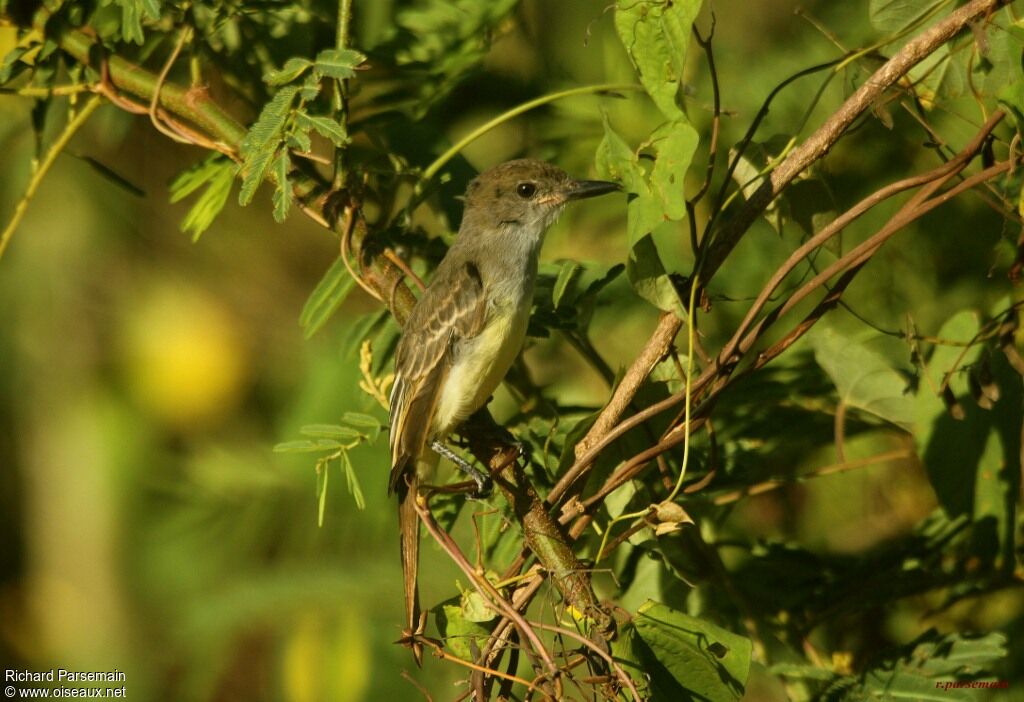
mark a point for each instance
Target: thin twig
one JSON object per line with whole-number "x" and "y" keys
{"x": 186, "y": 33}
{"x": 569, "y": 633}
{"x": 825, "y": 137}
{"x": 833, "y": 469}
{"x": 44, "y": 167}
{"x": 487, "y": 591}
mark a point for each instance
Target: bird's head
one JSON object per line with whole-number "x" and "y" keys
{"x": 524, "y": 195}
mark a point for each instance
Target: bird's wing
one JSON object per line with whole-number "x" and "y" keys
{"x": 453, "y": 308}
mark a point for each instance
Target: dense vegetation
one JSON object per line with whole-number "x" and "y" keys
{"x": 765, "y": 440}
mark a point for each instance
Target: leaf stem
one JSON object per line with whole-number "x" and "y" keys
{"x": 465, "y": 141}
{"x": 45, "y": 92}
{"x": 340, "y": 106}
{"x": 344, "y": 19}
{"x": 44, "y": 168}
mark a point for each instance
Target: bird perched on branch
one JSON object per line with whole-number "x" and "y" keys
{"x": 465, "y": 332}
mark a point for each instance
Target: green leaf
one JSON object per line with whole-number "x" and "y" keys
{"x": 283, "y": 192}
{"x": 301, "y": 446}
{"x": 299, "y": 141}
{"x": 931, "y": 666}
{"x": 674, "y": 143}
{"x": 569, "y": 271}
{"x": 352, "y": 480}
{"x": 895, "y": 15}
{"x": 864, "y": 379}
{"x": 218, "y": 174}
{"x": 475, "y": 607}
{"x": 1011, "y": 97}
{"x": 971, "y": 454}
{"x": 461, "y": 635}
{"x": 325, "y": 126}
{"x": 358, "y": 419}
{"x": 326, "y": 298}
{"x": 259, "y": 146}
{"x": 13, "y": 60}
{"x": 656, "y": 35}
{"x": 709, "y": 662}
{"x": 338, "y": 63}
{"x": 151, "y": 8}
{"x": 267, "y": 127}
{"x": 254, "y": 171}
{"x": 649, "y": 278}
{"x": 801, "y": 672}
{"x": 928, "y": 75}
{"x": 632, "y": 654}
{"x": 657, "y": 197}
{"x": 310, "y": 87}
{"x": 292, "y": 69}
{"x": 959, "y": 653}
{"x": 364, "y": 421}
{"x": 329, "y": 431}
{"x": 132, "y": 12}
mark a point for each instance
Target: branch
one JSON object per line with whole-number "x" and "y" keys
{"x": 43, "y": 168}
{"x": 813, "y": 149}
{"x": 487, "y": 591}
{"x": 192, "y": 104}
{"x": 718, "y": 376}
{"x": 656, "y": 348}
{"x": 819, "y": 143}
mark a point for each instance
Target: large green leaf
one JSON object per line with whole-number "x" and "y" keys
{"x": 705, "y": 660}
{"x": 972, "y": 454}
{"x": 132, "y": 12}
{"x": 864, "y": 379}
{"x": 932, "y": 667}
{"x": 894, "y": 15}
{"x": 656, "y": 197}
{"x": 656, "y": 35}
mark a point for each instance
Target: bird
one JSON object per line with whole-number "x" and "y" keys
{"x": 465, "y": 332}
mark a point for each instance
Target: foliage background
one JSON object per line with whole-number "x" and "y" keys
{"x": 145, "y": 523}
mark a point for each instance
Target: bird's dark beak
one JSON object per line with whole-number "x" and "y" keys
{"x": 579, "y": 189}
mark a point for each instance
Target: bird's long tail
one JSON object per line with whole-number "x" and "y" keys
{"x": 409, "y": 528}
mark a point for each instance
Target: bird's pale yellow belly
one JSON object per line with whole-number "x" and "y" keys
{"x": 479, "y": 368}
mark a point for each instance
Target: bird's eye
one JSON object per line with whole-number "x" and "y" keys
{"x": 526, "y": 190}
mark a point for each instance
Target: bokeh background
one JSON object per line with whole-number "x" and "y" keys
{"x": 145, "y": 522}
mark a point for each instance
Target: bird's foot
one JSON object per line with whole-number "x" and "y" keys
{"x": 484, "y": 484}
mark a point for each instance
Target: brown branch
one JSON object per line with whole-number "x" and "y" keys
{"x": 619, "y": 672}
{"x": 824, "y": 138}
{"x": 844, "y": 220}
{"x": 813, "y": 149}
{"x": 851, "y": 263}
{"x": 590, "y": 445}
{"x": 488, "y": 592}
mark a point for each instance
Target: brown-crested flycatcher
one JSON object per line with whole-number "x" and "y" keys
{"x": 467, "y": 329}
